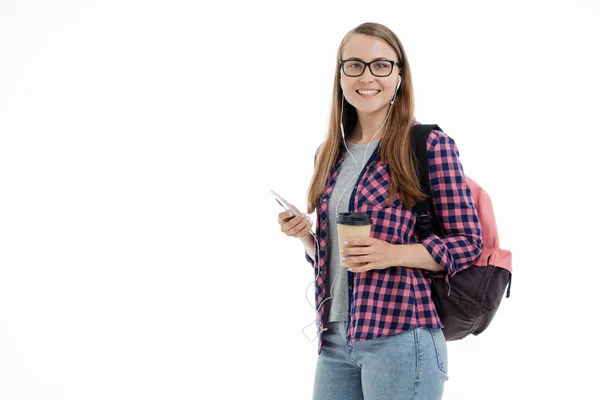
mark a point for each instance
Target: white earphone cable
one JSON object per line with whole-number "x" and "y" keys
{"x": 313, "y": 282}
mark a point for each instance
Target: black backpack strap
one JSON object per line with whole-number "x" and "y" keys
{"x": 426, "y": 218}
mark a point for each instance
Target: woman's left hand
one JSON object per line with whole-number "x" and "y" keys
{"x": 369, "y": 253}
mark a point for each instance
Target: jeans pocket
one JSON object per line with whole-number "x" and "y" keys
{"x": 441, "y": 350}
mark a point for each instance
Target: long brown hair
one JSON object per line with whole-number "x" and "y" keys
{"x": 395, "y": 145}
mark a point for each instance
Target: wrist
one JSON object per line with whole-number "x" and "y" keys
{"x": 398, "y": 255}
{"x": 309, "y": 245}
{"x": 306, "y": 239}
{"x": 415, "y": 256}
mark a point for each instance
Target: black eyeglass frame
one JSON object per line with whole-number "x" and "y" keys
{"x": 368, "y": 65}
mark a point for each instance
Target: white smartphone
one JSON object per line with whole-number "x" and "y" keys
{"x": 284, "y": 203}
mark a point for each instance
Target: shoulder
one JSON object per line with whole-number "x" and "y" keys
{"x": 433, "y": 139}
{"x": 437, "y": 137}
{"x": 439, "y": 143}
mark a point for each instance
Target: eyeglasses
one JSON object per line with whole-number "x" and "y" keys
{"x": 379, "y": 68}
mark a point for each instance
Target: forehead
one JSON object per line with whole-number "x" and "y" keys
{"x": 367, "y": 48}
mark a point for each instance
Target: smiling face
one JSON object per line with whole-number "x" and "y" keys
{"x": 369, "y": 94}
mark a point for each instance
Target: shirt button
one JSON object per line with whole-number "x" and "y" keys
{"x": 321, "y": 272}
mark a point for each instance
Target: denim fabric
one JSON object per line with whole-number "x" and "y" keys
{"x": 411, "y": 365}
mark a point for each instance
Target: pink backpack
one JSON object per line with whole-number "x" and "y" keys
{"x": 470, "y": 303}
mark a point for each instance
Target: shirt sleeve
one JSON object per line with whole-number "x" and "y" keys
{"x": 310, "y": 260}
{"x": 462, "y": 241}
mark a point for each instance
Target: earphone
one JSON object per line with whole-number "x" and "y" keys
{"x": 337, "y": 207}
{"x": 397, "y": 87}
{"x": 366, "y": 149}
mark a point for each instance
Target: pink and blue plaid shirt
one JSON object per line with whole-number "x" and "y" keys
{"x": 388, "y": 301}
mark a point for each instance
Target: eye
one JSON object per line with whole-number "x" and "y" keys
{"x": 381, "y": 65}
{"x": 355, "y": 65}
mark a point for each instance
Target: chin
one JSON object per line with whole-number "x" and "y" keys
{"x": 371, "y": 108}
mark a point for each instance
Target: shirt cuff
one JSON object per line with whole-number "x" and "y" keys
{"x": 435, "y": 246}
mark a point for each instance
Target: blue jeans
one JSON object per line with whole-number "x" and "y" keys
{"x": 411, "y": 365}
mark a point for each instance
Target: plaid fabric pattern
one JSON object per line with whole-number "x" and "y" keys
{"x": 386, "y": 302}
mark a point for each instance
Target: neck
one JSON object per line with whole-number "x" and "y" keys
{"x": 367, "y": 125}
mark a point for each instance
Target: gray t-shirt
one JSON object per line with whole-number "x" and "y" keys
{"x": 336, "y": 308}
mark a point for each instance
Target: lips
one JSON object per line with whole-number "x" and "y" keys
{"x": 368, "y": 92}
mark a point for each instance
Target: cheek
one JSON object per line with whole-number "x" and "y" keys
{"x": 346, "y": 86}
{"x": 390, "y": 85}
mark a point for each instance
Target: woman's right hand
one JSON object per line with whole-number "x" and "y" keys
{"x": 294, "y": 226}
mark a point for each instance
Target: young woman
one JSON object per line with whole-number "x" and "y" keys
{"x": 379, "y": 334}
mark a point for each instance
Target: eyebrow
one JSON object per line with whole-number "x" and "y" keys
{"x": 375, "y": 59}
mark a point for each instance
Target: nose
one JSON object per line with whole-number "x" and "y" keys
{"x": 367, "y": 76}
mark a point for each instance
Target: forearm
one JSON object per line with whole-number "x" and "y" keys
{"x": 309, "y": 245}
{"x": 414, "y": 256}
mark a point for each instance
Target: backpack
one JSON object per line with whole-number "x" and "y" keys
{"x": 469, "y": 304}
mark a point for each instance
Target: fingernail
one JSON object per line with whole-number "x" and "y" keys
{"x": 341, "y": 250}
{"x": 350, "y": 269}
{"x": 345, "y": 242}
{"x": 291, "y": 213}
{"x": 343, "y": 258}
{"x": 303, "y": 215}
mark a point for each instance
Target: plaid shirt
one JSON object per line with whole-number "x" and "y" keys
{"x": 391, "y": 300}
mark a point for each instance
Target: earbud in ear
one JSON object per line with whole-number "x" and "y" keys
{"x": 399, "y": 81}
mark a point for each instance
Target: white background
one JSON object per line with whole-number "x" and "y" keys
{"x": 140, "y": 257}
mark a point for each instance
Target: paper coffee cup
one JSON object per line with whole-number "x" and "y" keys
{"x": 352, "y": 226}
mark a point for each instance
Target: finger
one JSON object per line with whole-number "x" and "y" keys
{"x": 361, "y": 268}
{"x": 285, "y": 216}
{"x": 303, "y": 225}
{"x": 355, "y": 251}
{"x": 360, "y": 241}
{"x": 291, "y": 223}
{"x": 299, "y": 231}
{"x": 303, "y": 232}
{"x": 289, "y": 227}
{"x": 357, "y": 259}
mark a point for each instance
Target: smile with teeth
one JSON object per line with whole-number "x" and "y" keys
{"x": 368, "y": 92}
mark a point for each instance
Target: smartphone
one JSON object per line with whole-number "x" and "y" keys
{"x": 284, "y": 203}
